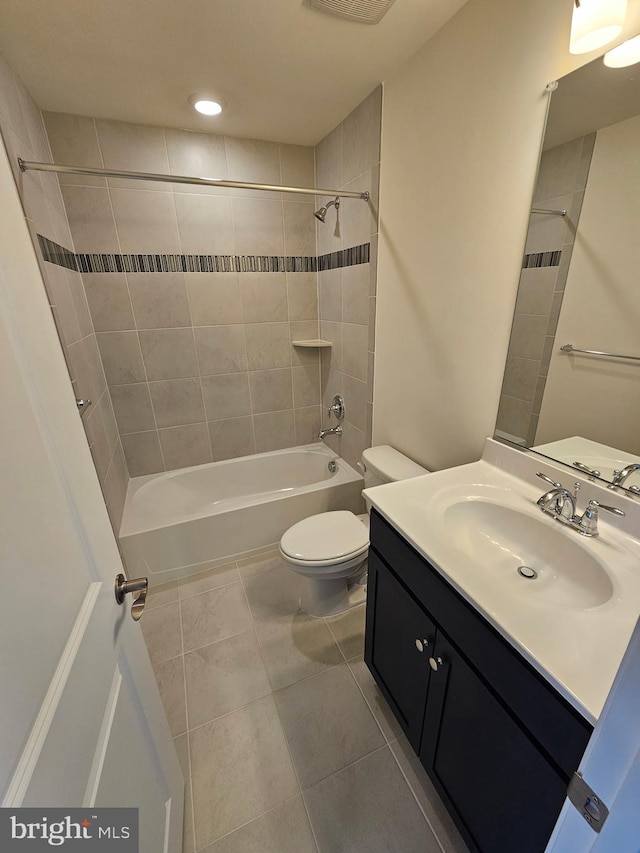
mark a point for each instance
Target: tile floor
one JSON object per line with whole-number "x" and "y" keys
{"x": 285, "y": 742}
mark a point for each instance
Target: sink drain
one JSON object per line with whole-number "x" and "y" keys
{"x": 527, "y": 572}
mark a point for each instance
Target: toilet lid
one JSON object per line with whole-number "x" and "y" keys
{"x": 326, "y": 538}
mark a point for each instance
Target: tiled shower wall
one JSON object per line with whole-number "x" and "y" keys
{"x": 561, "y": 183}
{"x": 200, "y": 365}
{"x": 349, "y": 158}
{"x": 24, "y": 136}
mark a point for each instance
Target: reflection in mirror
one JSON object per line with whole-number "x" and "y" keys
{"x": 579, "y": 285}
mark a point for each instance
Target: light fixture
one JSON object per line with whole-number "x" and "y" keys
{"x": 596, "y": 23}
{"x": 205, "y": 105}
{"x": 627, "y": 53}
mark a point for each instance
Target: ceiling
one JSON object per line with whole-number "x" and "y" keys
{"x": 283, "y": 71}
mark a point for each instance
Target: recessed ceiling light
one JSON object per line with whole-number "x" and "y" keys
{"x": 208, "y": 108}
{"x": 204, "y": 105}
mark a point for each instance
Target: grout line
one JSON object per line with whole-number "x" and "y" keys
{"x": 188, "y": 781}
{"x": 135, "y": 321}
{"x": 217, "y": 642}
{"x": 409, "y": 785}
{"x": 221, "y": 639}
{"x": 385, "y": 745}
{"x": 186, "y": 713}
{"x": 308, "y": 813}
{"x": 263, "y": 659}
{"x": 206, "y": 566}
{"x": 284, "y": 734}
{"x": 335, "y": 639}
{"x": 213, "y": 588}
{"x": 368, "y": 704}
{"x": 299, "y": 680}
{"x": 186, "y": 290}
{"x": 243, "y": 707}
{"x": 253, "y": 820}
{"x": 313, "y": 675}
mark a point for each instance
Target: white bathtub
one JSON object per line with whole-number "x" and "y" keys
{"x": 177, "y": 521}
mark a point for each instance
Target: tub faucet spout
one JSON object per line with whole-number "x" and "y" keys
{"x": 337, "y": 430}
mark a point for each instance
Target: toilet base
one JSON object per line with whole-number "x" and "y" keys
{"x": 328, "y": 597}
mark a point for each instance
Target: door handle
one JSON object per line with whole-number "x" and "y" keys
{"x": 123, "y": 586}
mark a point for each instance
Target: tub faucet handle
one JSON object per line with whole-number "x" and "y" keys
{"x": 337, "y": 407}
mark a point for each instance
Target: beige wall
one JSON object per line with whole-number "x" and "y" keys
{"x": 24, "y": 136}
{"x": 462, "y": 125}
{"x": 601, "y": 307}
{"x": 349, "y": 158}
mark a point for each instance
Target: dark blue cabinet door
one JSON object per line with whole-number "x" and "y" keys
{"x": 504, "y": 792}
{"x": 399, "y": 642}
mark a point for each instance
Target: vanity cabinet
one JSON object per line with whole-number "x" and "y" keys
{"x": 498, "y": 742}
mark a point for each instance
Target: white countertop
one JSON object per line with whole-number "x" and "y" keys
{"x": 591, "y": 453}
{"x": 577, "y": 649}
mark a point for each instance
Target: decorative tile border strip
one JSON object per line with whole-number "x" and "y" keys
{"x": 344, "y": 258}
{"x": 541, "y": 259}
{"x": 56, "y": 254}
{"x": 108, "y": 263}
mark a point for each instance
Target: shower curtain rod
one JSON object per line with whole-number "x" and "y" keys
{"x": 28, "y": 165}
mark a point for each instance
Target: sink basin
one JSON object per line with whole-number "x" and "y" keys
{"x": 555, "y": 567}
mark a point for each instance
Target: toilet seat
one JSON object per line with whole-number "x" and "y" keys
{"x": 326, "y": 539}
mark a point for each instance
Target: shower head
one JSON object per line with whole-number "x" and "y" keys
{"x": 320, "y": 214}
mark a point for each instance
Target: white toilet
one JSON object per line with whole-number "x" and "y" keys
{"x": 330, "y": 549}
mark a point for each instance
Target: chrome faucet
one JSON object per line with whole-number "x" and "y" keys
{"x": 619, "y": 477}
{"x": 337, "y": 430}
{"x": 564, "y": 503}
{"x": 560, "y": 503}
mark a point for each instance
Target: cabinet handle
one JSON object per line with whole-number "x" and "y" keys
{"x": 435, "y": 663}
{"x": 421, "y": 645}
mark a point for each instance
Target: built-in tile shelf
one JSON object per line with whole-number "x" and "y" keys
{"x": 318, "y": 343}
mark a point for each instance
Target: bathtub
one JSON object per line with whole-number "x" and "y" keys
{"x": 175, "y": 522}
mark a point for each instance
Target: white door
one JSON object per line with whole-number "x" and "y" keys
{"x": 81, "y": 722}
{"x": 611, "y": 767}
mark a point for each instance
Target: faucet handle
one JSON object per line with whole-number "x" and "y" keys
{"x": 612, "y": 509}
{"x": 592, "y": 472}
{"x": 337, "y": 407}
{"x": 549, "y": 480}
{"x": 588, "y": 524}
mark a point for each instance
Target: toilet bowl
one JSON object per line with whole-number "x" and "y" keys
{"x": 329, "y": 550}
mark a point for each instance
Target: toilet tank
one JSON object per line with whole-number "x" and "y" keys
{"x": 385, "y": 464}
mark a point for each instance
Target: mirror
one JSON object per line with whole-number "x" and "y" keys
{"x": 580, "y": 285}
